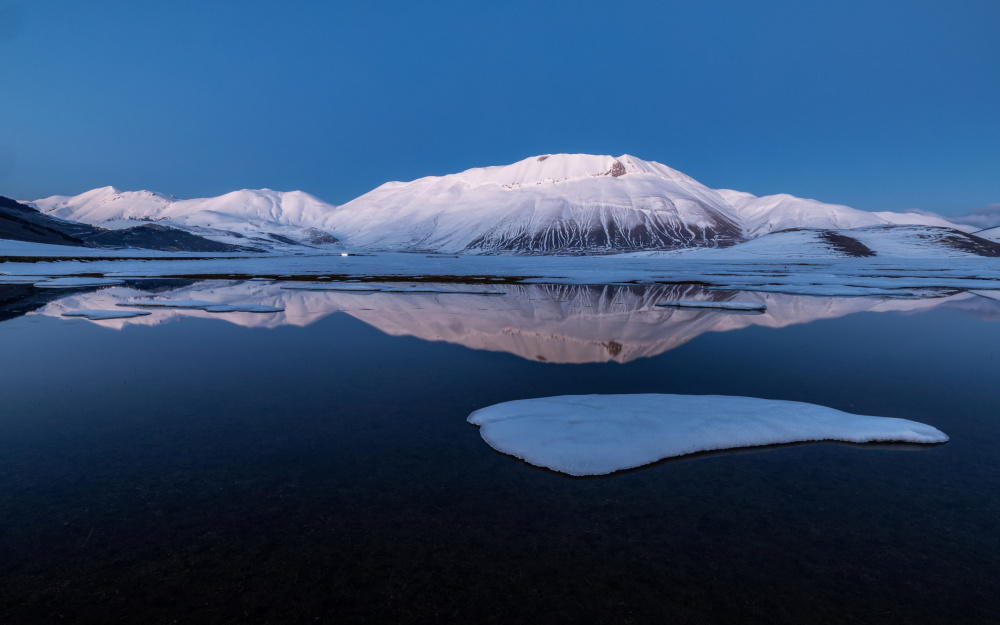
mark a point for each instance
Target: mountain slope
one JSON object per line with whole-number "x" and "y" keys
{"x": 559, "y": 203}
{"x": 580, "y": 203}
{"x": 992, "y": 234}
{"x": 884, "y": 241}
{"x": 773, "y": 213}
{"x": 248, "y": 217}
{"x": 545, "y": 204}
{"x": 19, "y": 222}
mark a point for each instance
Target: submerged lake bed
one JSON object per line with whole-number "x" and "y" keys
{"x": 315, "y": 462}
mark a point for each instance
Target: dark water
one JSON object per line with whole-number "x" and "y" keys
{"x": 198, "y": 471}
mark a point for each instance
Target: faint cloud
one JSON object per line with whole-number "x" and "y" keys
{"x": 985, "y": 217}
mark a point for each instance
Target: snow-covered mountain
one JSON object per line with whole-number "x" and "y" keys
{"x": 262, "y": 218}
{"x": 543, "y": 204}
{"x": 580, "y": 202}
{"x": 558, "y": 203}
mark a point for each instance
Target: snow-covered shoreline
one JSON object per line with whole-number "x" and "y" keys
{"x": 844, "y": 276}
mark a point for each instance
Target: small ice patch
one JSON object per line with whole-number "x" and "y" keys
{"x": 70, "y": 283}
{"x": 332, "y": 287}
{"x": 744, "y": 306}
{"x": 21, "y": 279}
{"x": 194, "y": 304}
{"x": 370, "y": 288}
{"x": 442, "y": 291}
{"x": 169, "y": 303}
{"x": 249, "y": 308}
{"x": 601, "y": 434}
{"x": 103, "y": 315}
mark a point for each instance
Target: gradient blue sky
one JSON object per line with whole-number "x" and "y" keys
{"x": 878, "y": 105}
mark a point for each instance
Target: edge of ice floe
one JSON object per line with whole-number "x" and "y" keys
{"x": 213, "y": 307}
{"x": 350, "y": 288}
{"x": 583, "y": 435}
{"x": 741, "y": 306}
{"x": 94, "y": 314}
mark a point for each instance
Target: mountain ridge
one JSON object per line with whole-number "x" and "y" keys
{"x": 554, "y": 203}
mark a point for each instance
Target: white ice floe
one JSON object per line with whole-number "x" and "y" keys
{"x": 372, "y": 288}
{"x": 442, "y": 291}
{"x": 741, "y": 306}
{"x": 104, "y": 315}
{"x": 20, "y": 279}
{"x": 351, "y": 288}
{"x": 248, "y": 308}
{"x": 601, "y": 434}
{"x": 194, "y": 304}
{"x": 72, "y": 283}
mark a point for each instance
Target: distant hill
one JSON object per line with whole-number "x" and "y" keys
{"x": 19, "y": 222}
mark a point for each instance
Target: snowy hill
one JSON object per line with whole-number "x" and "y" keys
{"x": 992, "y": 234}
{"x": 559, "y": 203}
{"x": 771, "y": 213}
{"x": 888, "y": 241}
{"x": 249, "y": 217}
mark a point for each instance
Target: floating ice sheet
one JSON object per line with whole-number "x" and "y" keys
{"x": 601, "y": 434}
{"x": 332, "y": 287}
{"x": 371, "y": 288}
{"x": 21, "y": 279}
{"x": 824, "y": 290}
{"x": 742, "y": 306}
{"x": 194, "y": 304}
{"x": 249, "y": 308}
{"x": 103, "y": 315}
{"x": 71, "y": 283}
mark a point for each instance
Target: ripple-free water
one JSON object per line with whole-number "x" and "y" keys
{"x": 181, "y": 467}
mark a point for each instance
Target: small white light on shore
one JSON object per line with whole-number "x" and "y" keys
{"x": 344, "y": 254}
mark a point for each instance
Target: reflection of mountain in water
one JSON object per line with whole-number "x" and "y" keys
{"x": 552, "y": 323}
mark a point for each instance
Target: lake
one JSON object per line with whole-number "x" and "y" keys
{"x": 315, "y": 465}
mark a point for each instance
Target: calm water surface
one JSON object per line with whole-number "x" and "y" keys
{"x": 190, "y": 469}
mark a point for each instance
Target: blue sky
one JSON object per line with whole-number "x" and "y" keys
{"x": 879, "y": 105}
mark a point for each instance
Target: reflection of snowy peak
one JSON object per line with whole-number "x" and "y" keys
{"x": 544, "y": 204}
{"x": 547, "y": 323}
